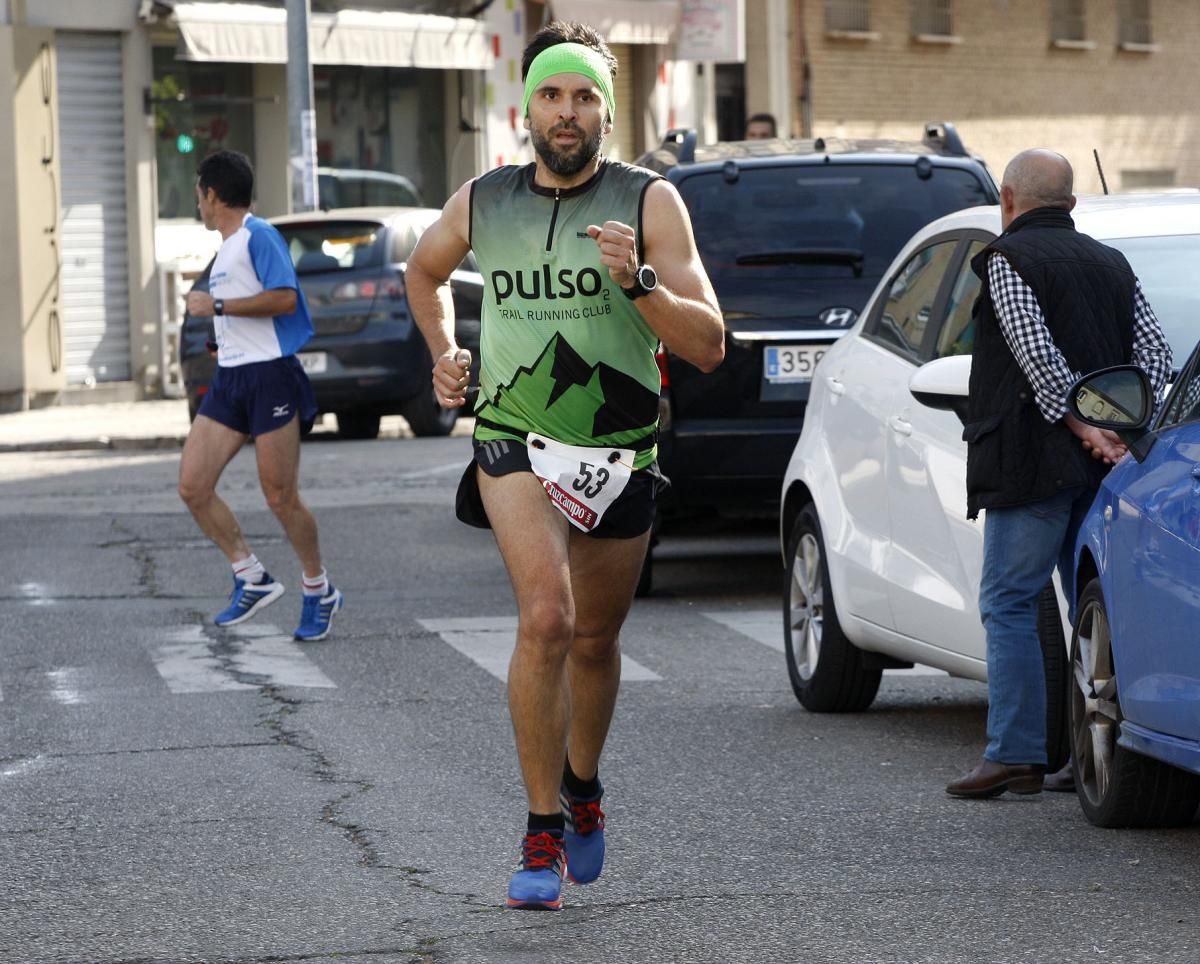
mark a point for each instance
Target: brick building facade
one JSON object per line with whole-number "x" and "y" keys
{"x": 1071, "y": 75}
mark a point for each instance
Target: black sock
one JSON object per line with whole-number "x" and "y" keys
{"x": 546, "y": 821}
{"x": 580, "y": 789}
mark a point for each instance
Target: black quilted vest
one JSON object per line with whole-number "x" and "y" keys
{"x": 1085, "y": 290}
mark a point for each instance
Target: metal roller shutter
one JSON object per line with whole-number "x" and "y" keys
{"x": 94, "y": 235}
{"x": 622, "y": 142}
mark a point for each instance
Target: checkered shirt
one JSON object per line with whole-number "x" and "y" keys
{"x": 1028, "y": 338}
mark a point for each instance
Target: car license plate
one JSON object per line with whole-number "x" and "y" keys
{"x": 313, "y": 362}
{"x": 791, "y": 363}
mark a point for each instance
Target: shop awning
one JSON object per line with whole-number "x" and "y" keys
{"x": 624, "y": 21}
{"x": 254, "y": 34}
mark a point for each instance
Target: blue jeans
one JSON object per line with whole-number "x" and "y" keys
{"x": 1021, "y": 546}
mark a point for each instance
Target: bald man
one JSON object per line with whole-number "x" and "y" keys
{"x": 1055, "y": 304}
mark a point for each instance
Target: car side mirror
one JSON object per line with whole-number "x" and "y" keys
{"x": 1121, "y": 400}
{"x": 943, "y": 383}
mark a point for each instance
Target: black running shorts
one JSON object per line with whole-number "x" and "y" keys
{"x": 630, "y": 515}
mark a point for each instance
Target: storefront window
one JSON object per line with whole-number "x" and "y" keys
{"x": 384, "y": 119}
{"x": 198, "y": 108}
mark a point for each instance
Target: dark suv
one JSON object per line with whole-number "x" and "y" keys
{"x": 795, "y": 235}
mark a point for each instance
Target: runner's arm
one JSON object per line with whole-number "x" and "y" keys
{"x": 265, "y": 304}
{"x": 683, "y": 309}
{"x": 441, "y": 249}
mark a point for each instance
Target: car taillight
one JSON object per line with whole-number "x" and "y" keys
{"x": 359, "y": 290}
{"x": 660, "y": 356}
{"x": 201, "y": 389}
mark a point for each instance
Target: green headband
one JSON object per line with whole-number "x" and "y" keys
{"x": 569, "y": 58}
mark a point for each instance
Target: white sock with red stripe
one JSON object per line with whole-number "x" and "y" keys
{"x": 249, "y": 570}
{"x": 316, "y": 585}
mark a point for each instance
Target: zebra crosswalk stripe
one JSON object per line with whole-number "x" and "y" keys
{"x": 256, "y": 656}
{"x": 488, "y": 641}
{"x": 766, "y": 626}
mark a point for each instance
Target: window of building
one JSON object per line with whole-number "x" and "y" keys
{"x": 1068, "y": 24}
{"x": 383, "y": 119}
{"x": 197, "y": 108}
{"x": 932, "y": 19}
{"x": 848, "y": 16}
{"x": 1134, "y": 28}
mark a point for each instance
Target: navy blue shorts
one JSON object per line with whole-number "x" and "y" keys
{"x": 630, "y": 515}
{"x": 260, "y": 397}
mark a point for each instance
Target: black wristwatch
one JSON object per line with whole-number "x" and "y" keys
{"x": 218, "y": 306}
{"x": 645, "y": 280}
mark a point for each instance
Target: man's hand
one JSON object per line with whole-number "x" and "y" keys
{"x": 451, "y": 375}
{"x": 199, "y": 303}
{"x": 618, "y": 250}
{"x": 1102, "y": 443}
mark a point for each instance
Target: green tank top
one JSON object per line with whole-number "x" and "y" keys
{"x": 563, "y": 352}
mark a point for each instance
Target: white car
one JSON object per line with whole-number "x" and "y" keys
{"x": 882, "y": 564}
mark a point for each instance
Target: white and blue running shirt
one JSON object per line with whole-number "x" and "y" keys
{"x": 252, "y": 260}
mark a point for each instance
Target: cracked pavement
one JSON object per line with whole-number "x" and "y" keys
{"x": 376, "y": 819}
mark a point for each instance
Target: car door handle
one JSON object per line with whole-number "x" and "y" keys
{"x": 899, "y": 425}
{"x": 835, "y": 386}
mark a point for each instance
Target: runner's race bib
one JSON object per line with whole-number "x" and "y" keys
{"x": 582, "y": 482}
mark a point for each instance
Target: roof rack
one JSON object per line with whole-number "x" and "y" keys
{"x": 944, "y": 135}
{"x": 685, "y": 137}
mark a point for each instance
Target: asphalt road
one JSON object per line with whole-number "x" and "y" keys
{"x": 171, "y": 792}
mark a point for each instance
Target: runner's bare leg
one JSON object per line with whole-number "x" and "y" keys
{"x": 533, "y": 540}
{"x": 604, "y": 575}
{"x": 278, "y": 455}
{"x": 209, "y": 448}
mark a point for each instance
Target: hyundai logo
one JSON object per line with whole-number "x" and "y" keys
{"x": 841, "y": 317}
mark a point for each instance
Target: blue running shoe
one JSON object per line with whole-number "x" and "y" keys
{"x": 584, "y": 837}
{"x": 247, "y": 599}
{"x": 317, "y": 615}
{"x": 537, "y": 882}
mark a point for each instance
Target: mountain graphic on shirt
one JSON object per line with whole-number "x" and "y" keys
{"x": 572, "y": 392}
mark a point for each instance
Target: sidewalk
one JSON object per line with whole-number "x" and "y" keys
{"x": 158, "y": 424}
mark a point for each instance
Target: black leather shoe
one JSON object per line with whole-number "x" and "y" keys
{"x": 1060, "y": 781}
{"x": 990, "y": 779}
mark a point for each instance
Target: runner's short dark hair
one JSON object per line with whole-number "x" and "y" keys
{"x": 566, "y": 32}
{"x": 230, "y": 175}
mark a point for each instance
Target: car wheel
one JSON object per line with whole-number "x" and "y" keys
{"x": 356, "y": 425}
{"x": 1054, "y": 662}
{"x": 827, "y": 671}
{"x": 1116, "y": 786}
{"x": 427, "y": 418}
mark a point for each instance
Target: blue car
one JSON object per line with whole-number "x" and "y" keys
{"x": 1135, "y": 650}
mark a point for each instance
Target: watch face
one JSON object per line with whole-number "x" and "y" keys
{"x": 647, "y": 277}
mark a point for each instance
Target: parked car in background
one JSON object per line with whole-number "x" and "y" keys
{"x": 342, "y": 187}
{"x": 367, "y": 358}
{"x": 1135, "y": 658}
{"x": 882, "y": 565}
{"x": 795, "y": 235}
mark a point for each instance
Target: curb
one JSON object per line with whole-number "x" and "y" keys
{"x": 103, "y": 443}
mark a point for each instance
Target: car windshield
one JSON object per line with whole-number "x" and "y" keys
{"x": 334, "y": 245}
{"x": 1164, "y": 266}
{"x": 792, "y": 241}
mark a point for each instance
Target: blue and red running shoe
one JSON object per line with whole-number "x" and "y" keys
{"x": 584, "y": 837}
{"x": 537, "y": 882}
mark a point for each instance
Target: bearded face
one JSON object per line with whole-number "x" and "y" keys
{"x": 567, "y": 148}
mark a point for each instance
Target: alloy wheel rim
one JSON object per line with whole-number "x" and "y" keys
{"x": 1096, "y": 706}
{"x": 806, "y": 606}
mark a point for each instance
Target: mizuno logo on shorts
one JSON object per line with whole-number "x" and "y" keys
{"x": 280, "y": 411}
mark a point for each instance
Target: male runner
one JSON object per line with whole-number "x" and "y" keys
{"x": 259, "y": 390}
{"x": 588, "y": 265}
